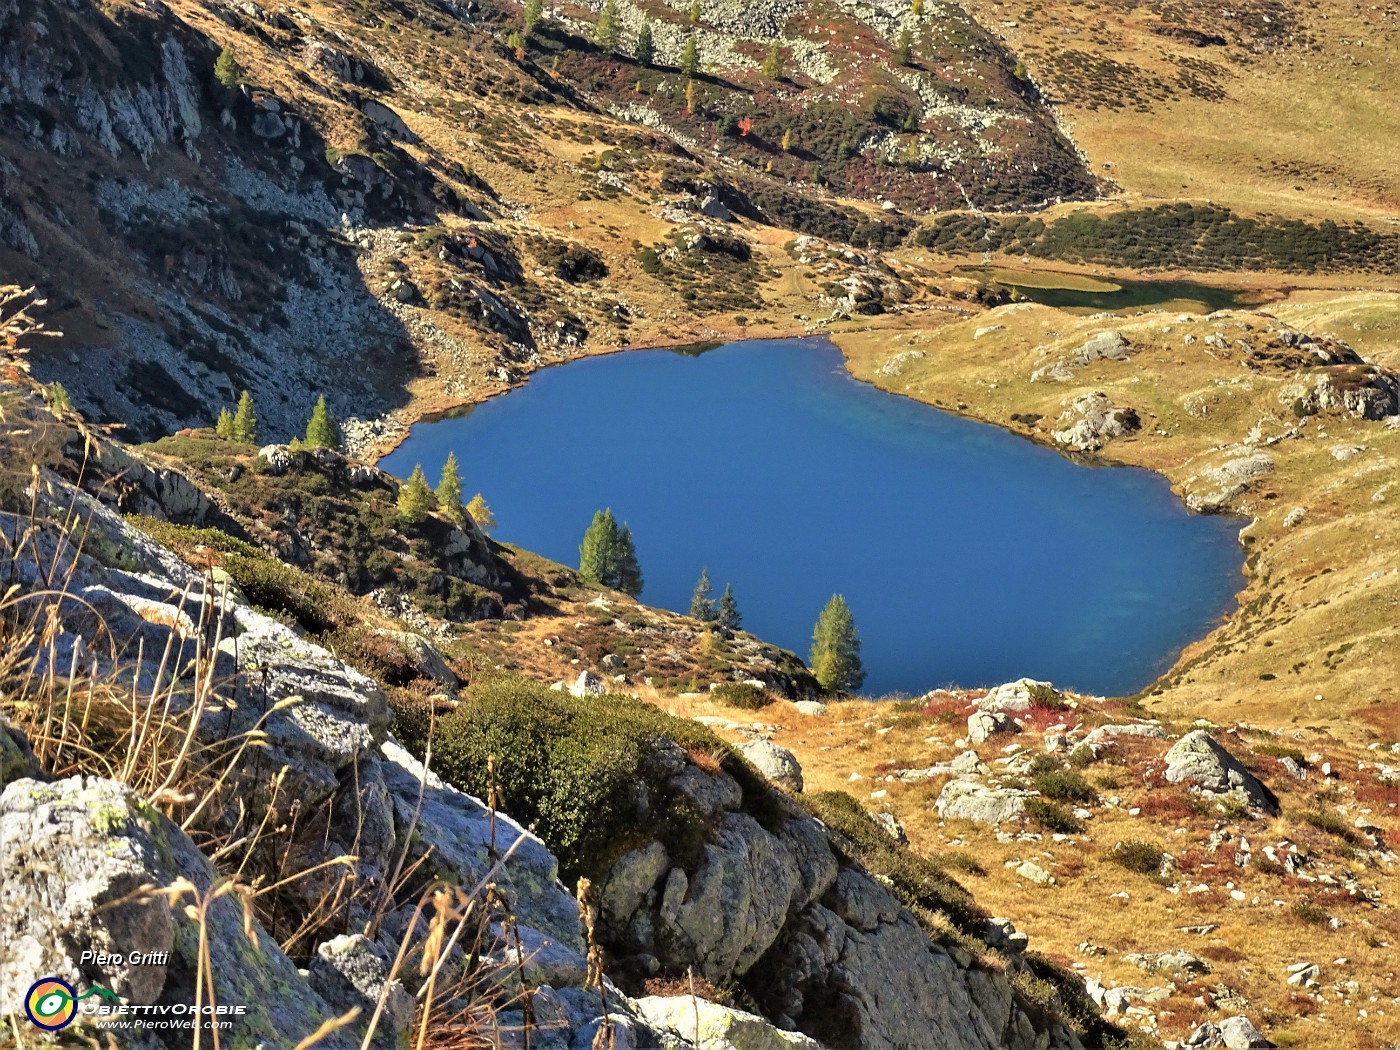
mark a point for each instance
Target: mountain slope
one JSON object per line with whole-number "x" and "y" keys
{"x": 386, "y": 202}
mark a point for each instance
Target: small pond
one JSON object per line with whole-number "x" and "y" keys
{"x": 968, "y": 555}
{"x": 1079, "y": 293}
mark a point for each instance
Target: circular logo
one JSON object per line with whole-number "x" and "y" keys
{"x": 51, "y": 1003}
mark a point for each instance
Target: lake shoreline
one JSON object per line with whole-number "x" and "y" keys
{"x": 1149, "y": 553}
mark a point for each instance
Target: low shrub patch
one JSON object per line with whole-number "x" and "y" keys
{"x": 569, "y": 767}
{"x": 1052, "y": 816}
{"x": 742, "y": 695}
{"x": 1064, "y": 785}
{"x": 1309, "y": 914}
{"x": 1332, "y": 824}
{"x": 1145, "y": 858}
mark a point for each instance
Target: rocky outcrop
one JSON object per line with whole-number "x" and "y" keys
{"x": 1213, "y": 488}
{"x": 1091, "y": 421}
{"x": 1233, "y": 1033}
{"x": 140, "y": 488}
{"x": 1105, "y": 346}
{"x": 86, "y": 866}
{"x": 1015, "y": 697}
{"x": 776, "y": 763}
{"x": 1101, "y": 735}
{"x": 824, "y": 948}
{"x": 690, "y": 1021}
{"x": 426, "y": 660}
{"x": 980, "y": 803}
{"x": 982, "y": 725}
{"x": 1360, "y": 391}
{"x": 1198, "y": 760}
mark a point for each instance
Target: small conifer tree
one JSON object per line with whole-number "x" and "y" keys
{"x": 534, "y": 14}
{"x": 690, "y": 97}
{"x": 690, "y": 57}
{"x": 606, "y": 31}
{"x": 645, "y": 52}
{"x": 727, "y": 612}
{"x": 449, "y": 490}
{"x": 629, "y": 572}
{"x": 835, "y": 655}
{"x": 597, "y": 554}
{"x": 694, "y": 12}
{"x": 227, "y": 70}
{"x": 904, "y": 51}
{"x": 608, "y": 556}
{"x": 245, "y": 421}
{"x": 917, "y": 8}
{"x": 702, "y": 606}
{"x": 787, "y": 141}
{"x": 773, "y": 61}
{"x": 322, "y": 431}
{"x": 481, "y": 514}
{"x": 415, "y": 498}
{"x": 224, "y": 425}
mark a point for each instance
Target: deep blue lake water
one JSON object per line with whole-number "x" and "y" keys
{"x": 968, "y": 555}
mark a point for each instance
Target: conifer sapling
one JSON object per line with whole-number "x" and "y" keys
{"x": 245, "y": 421}
{"x": 415, "y": 498}
{"x": 322, "y": 431}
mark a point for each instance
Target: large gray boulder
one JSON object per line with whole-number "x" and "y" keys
{"x": 776, "y": 763}
{"x": 1106, "y": 734}
{"x": 686, "y": 1021}
{"x": 982, "y": 725}
{"x": 425, "y": 657}
{"x": 1105, "y": 346}
{"x": 350, "y": 972}
{"x": 1370, "y": 392}
{"x": 1013, "y": 697}
{"x": 981, "y": 803}
{"x": 1199, "y": 761}
{"x": 1233, "y": 1033}
{"x": 75, "y": 855}
{"x": 1091, "y": 421}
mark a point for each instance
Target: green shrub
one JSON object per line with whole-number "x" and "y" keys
{"x": 1332, "y": 824}
{"x": 1047, "y": 697}
{"x": 1044, "y": 764}
{"x": 1082, "y": 756}
{"x": 1064, "y": 785}
{"x": 1280, "y": 751}
{"x": 1052, "y": 816}
{"x": 570, "y": 767}
{"x": 1145, "y": 858}
{"x": 269, "y": 584}
{"x": 1309, "y": 913}
{"x": 742, "y": 695}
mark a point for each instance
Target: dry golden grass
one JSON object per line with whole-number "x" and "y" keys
{"x": 859, "y": 744}
{"x": 1296, "y": 133}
